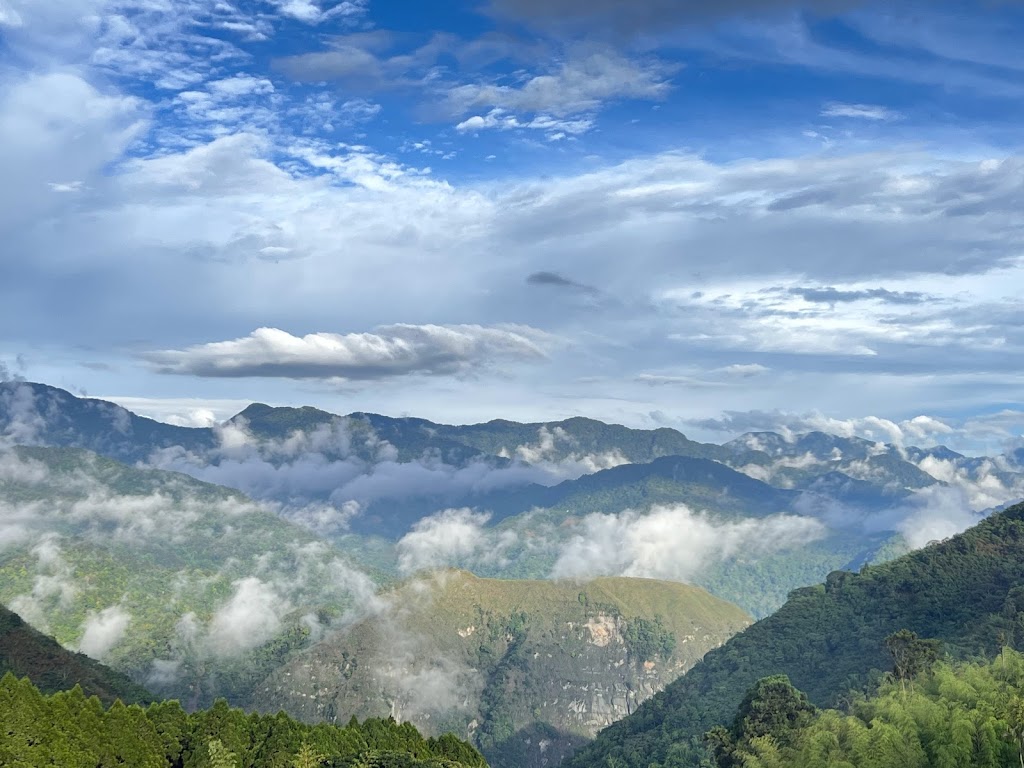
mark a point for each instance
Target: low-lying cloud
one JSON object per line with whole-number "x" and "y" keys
{"x": 935, "y": 514}
{"x": 674, "y": 543}
{"x": 252, "y": 616}
{"x": 103, "y": 630}
{"x": 344, "y": 466}
{"x": 453, "y": 537}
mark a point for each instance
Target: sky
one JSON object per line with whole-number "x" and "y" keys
{"x": 753, "y": 214}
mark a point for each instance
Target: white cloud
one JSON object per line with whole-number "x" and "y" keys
{"x": 396, "y": 350}
{"x": 102, "y": 631}
{"x": 452, "y": 537}
{"x": 9, "y": 17}
{"x": 983, "y": 483}
{"x": 674, "y": 543}
{"x": 557, "y": 451}
{"x": 252, "y": 616}
{"x": 935, "y": 514}
{"x": 502, "y": 120}
{"x": 583, "y": 82}
{"x": 54, "y": 586}
{"x": 56, "y": 128}
{"x": 240, "y": 85}
{"x": 861, "y": 111}
{"x": 312, "y": 12}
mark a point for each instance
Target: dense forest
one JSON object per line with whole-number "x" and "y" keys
{"x": 948, "y": 716}
{"x": 829, "y": 639}
{"x": 25, "y": 652}
{"x": 70, "y": 730}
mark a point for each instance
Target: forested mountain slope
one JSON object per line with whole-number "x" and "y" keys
{"x": 967, "y": 592}
{"x": 25, "y": 652}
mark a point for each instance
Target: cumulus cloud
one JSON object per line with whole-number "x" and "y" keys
{"x": 103, "y": 630}
{"x": 674, "y": 543}
{"x": 397, "y": 350}
{"x": 502, "y": 120}
{"x": 251, "y": 617}
{"x": 984, "y": 483}
{"x": 452, "y": 537}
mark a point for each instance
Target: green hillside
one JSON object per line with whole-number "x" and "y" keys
{"x": 505, "y": 662}
{"x": 24, "y": 652}
{"x": 544, "y": 519}
{"x": 967, "y": 592}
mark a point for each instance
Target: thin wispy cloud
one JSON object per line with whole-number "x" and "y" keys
{"x": 861, "y": 111}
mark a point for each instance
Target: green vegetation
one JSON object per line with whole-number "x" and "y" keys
{"x": 510, "y": 664}
{"x": 582, "y": 436}
{"x": 159, "y": 548}
{"x": 699, "y": 483}
{"x": 956, "y": 715}
{"x": 772, "y": 709}
{"x": 71, "y": 730}
{"x": 25, "y": 652}
{"x": 967, "y": 592}
{"x": 648, "y": 639}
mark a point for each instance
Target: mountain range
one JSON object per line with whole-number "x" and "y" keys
{"x": 274, "y": 558}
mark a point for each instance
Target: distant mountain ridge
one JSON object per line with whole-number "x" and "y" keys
{"x": 40, "y": 414}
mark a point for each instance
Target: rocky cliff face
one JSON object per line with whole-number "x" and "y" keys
{"x": 527, "y": 670}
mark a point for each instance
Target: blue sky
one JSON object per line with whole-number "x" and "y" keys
{"x": 763, "y": 215}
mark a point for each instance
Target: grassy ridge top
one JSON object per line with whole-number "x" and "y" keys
{"x": 460, "y": 593}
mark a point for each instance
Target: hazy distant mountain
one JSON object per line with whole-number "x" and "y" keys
{"x": 793, "y": 462}
{"x": 525, "y": 669}
{"x": 38, "y": 414}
